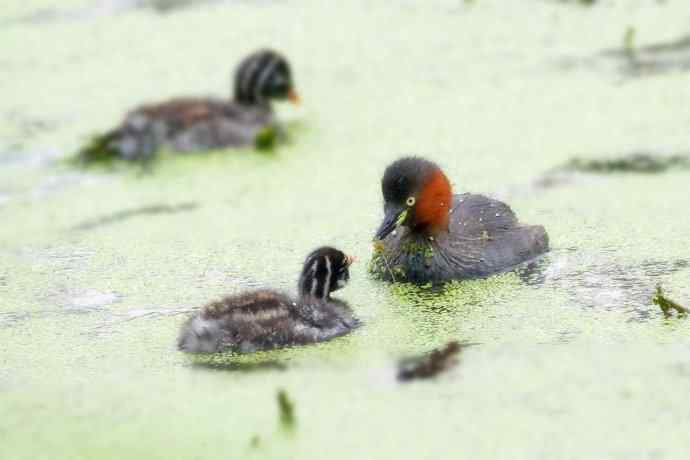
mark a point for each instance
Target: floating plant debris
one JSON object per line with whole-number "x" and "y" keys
{"x": 656, "y": 58}
{"x": 667, "y": 305}
{"x": 634, "y": 59}
{"x": 107, "y": 8}
{"x": 286, "y": 409}
{"x": 680, "y": 44}
{"x": 642, "y": 162}
{"x": 639, "y": 162}
{"x": 634, "y": 163}
{"x": 430, "y": 364}
{"x": 152, "y": 210}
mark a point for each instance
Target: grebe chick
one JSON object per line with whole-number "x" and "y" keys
{"x": 191, "y": 124}
{"x": 430, "y": 235}
{"x": 265, "y": 319}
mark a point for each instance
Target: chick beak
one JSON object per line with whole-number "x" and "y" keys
{"x": 393, "y": 218}
{"x": 293, "y": 96}
{"x": 349, "y": 260}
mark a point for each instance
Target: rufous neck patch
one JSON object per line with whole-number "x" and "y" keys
{"x": 433, "y": 203}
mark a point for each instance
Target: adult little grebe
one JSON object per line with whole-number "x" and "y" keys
{"x": 430, "y": 235}
{"x": 266, "y": 319}
{"x": 198, "y": 124}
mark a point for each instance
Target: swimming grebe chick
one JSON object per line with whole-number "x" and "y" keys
{"x": 265, "y": 319}
{"x": 192, "y": 124}
{"x": 430, "y": 235}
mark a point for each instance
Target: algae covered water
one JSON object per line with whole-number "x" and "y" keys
{"x": 99, "y": 267}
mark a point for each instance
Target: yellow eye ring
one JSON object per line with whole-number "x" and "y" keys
{"x": 411, "y": 201}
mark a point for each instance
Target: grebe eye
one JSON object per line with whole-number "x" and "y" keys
{"x": 411, "y": 201}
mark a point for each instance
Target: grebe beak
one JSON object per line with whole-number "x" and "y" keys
{"x": 293, "y": 96}
{"x": 393, "y": 218}
{"x": 349, "y": 260}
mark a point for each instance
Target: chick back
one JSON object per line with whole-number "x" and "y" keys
{"x": 259, "y": 320}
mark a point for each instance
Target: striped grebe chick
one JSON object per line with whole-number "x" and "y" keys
{"x": 266, "y": 319}
{"x": 430, "y": 235}
{"x": 191, "y": 124}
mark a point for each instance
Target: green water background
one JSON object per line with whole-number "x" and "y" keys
{"x": 99, "y": 268}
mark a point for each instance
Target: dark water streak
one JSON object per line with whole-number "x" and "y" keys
{"x": 120, "y": 216}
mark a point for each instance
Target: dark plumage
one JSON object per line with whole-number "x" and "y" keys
{"x": 430, "y": 235}
{"x": 198, "y": 124}
{"x": 266, "y": 319}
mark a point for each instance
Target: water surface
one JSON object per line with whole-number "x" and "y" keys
{"x": 98, "y": 268}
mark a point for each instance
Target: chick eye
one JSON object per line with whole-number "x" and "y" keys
{"x": 411, "y": 201}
